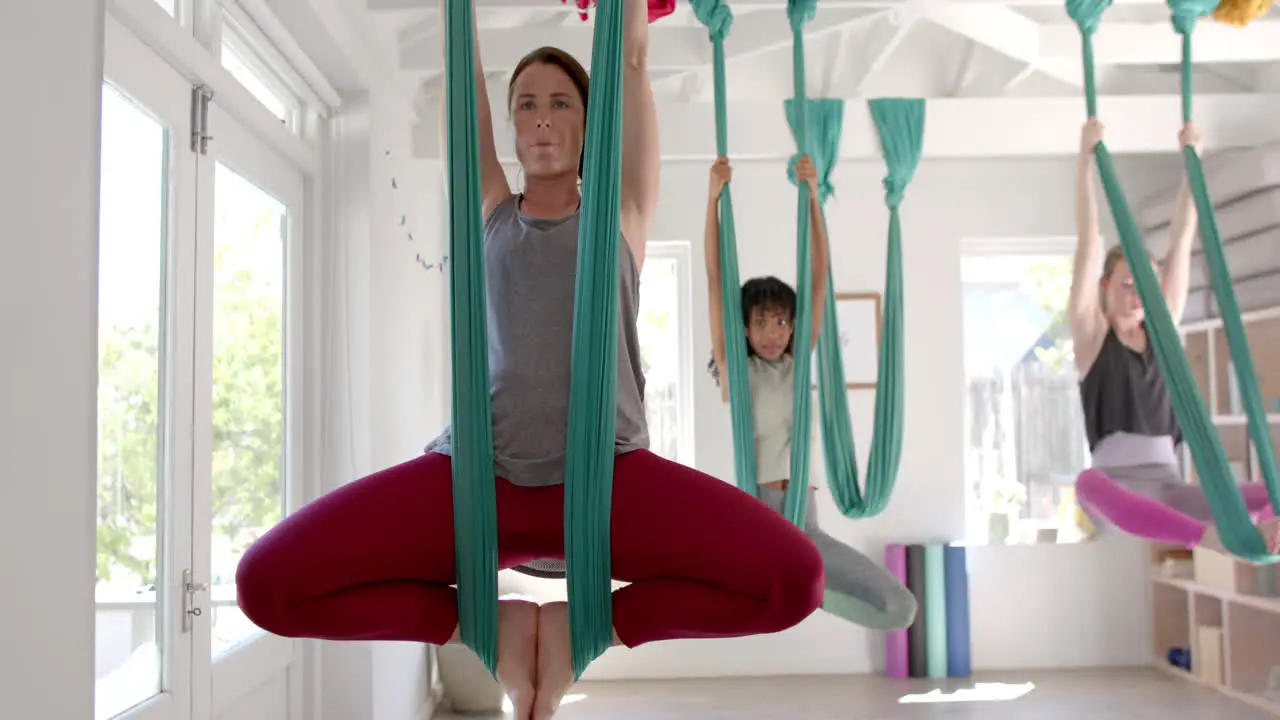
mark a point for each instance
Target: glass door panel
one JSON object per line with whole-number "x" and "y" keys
{"x": 248, "y": 476}
{"x": 145, "y": 328}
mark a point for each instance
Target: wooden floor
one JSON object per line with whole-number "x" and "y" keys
{"x": 1120, "y": 694}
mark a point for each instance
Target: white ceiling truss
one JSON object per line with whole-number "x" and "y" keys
{"x": 993, "y": 64}
{"x": 930, "y": 48}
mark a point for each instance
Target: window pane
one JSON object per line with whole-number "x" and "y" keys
{"x": 248, "y": 385}
{"x": 1024, "y": 426}
{"x": 131, "y": 252}
{"x": 659, "y": 330}
{"x": 240, "y": 69}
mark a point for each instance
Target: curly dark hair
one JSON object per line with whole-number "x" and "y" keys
{"x": 762, "y": 293}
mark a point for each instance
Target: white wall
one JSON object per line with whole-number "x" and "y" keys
{"x": 408, "y": 332}
{"x": 51, "y": 72}
{"x": 389, "y": 334}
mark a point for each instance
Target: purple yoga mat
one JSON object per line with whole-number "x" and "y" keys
{"x": 896, "y": 653}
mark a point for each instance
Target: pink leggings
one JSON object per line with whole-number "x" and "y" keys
{"x": 1167, "y": 512}
{"x": 374, "y": 560}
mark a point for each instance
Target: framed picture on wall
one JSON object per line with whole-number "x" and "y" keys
{"x": 858, "y": 316}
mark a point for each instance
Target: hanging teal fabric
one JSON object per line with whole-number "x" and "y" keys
{"x": 1244, "y": 537}
{"x": 824, "y": 122}
{"x": 1234, "y": 525}
{"x": 799, "y": 13}
{"x": 901, "y": 126}
{"x": 593, "y": 390}
{"x": 825, "y": 117}
{"x": 718, "y": 18}
{"x": 900, "y": 123}
{"x": 592, "y": 395}
{"x": 474, "y": 491}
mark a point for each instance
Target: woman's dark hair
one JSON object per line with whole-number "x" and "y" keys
{"x": 762, "y": 293}
{"x": 558, "y": 58}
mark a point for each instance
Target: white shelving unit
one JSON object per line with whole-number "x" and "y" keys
{"x": 1224, "y": 611}
{"x": 1233, "y": 634}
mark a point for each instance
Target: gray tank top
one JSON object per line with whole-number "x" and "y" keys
{"x": 530, "y": 267}
{"x": 1124, "y": 391}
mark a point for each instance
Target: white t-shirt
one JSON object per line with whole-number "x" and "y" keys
{"x": 772, "y": 394}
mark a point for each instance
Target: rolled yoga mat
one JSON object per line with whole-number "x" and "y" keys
{"x": 959, "y": 660}
{"x": 896, "y": 647}
{"x": 935, "y": 610}
{"x": 916, "y": 644}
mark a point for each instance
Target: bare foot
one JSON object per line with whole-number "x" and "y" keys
{"x": 1270, "y": 529}
{"x": 555, "y": 659}
{"x": 518, "y": 654}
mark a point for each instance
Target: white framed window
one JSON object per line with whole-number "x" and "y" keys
{"x": 252, "y": 57}
{"x": 1025, "y": 439}
{"x": 666, "y": 349}
{"x": 244, "y": 56}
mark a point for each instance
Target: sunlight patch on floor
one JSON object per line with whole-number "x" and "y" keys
{"x": 567, "y": 700}
{"x": 981, "y": 692}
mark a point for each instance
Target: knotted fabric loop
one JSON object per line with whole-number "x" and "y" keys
{"x": 800, "y": 12}
{"x": 1087, "y": 14}
{"x": 893, "y": 193}
{"x": 716, "y": 15}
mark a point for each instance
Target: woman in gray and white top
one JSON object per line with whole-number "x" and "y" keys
{"x": 1135, "y": 482}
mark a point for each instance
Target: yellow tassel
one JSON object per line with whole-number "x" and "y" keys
{"x": 1241, "y": 12}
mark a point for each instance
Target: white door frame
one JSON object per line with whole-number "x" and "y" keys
{"x": 139, "y": 73}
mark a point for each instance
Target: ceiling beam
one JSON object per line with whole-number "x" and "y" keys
{"x": 669, "y": 48}
{"x": 880, "y": 55}
{"x": 1158, "y": 44}
{"x": 956, "y": 128}
{"x": 1006, "y": 31}
{"x": 349, "y": 60}
{"x": 966, "y": 70}
{"x": 759, "y": 33}
{"x": 737, "y": 5}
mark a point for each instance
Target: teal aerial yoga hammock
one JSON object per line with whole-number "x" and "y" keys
{"x": 718, "y": 18}
{"x": 901, "y": 126}
{"x": 900, "y": 123}
{"x": 592, "y": 415}
{"x": 800, "y": 12}
{"x": 1235, "y": 527}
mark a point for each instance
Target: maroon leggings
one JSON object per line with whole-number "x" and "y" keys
{"x": 374, "y": 560}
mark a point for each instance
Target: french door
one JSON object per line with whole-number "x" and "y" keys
{"x": 200, "y": 235}
{"x": 247, "y": 450}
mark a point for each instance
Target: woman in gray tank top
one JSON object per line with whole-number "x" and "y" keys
{"x": 374, "y": 560}
{"x": 863, "y": 588}
{"x": 1135, "y": 482}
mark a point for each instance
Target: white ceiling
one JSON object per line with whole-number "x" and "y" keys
{"x": 1003, "y": 76}
{"x": 926, "y": 48}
